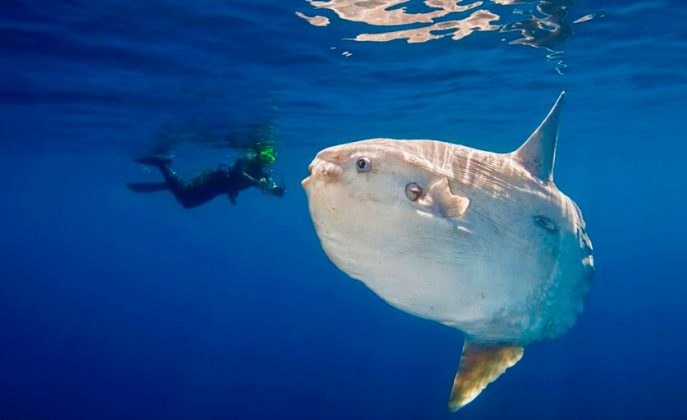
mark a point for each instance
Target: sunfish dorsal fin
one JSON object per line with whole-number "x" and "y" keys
{"x": 538, "y": 153}
{"x": 480, "y": 365}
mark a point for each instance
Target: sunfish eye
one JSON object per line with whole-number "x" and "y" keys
{"x": 363, "y": 164}
{"x": 413, "y": 191}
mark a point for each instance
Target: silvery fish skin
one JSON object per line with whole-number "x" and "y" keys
{"x": 478, "y": 241}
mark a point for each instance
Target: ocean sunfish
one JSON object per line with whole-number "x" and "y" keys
{"x": 479, "y": 241}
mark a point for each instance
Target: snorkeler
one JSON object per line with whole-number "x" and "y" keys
{"x": 251, "y": 170}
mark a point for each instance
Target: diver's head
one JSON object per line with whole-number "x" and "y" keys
{"x": 265, "y": 153}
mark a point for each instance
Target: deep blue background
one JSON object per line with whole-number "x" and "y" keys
{"x": 121, "y": 306}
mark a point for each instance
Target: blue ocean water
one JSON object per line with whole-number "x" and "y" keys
{"x": 116, "y": 305}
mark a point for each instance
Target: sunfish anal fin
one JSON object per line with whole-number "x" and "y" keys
{"x": 480, "y": 365}
{"x": 449, "y": 204}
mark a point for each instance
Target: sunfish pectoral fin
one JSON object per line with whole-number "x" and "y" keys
{"x": 445, "y": 201}
{"x": 480, "y": 365}
{"x": 538, "y": 153}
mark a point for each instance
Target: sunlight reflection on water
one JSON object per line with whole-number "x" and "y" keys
{"x": 540, "y": 24}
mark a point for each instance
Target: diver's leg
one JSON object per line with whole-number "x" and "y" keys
{"x": 190, "y": 193}
{"x": 183, "y": 190}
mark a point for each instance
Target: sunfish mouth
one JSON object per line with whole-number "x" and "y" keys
{"x": 324, "y": 167}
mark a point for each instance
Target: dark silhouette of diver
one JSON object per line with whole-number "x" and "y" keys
{"x": 251, "y": 170}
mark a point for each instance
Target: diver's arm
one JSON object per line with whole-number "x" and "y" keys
{"x": 261, "y": 183}
{"x": 253, "y": 180}
{"x": 241, "y": 166}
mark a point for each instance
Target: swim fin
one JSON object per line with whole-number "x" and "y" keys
{"x": 154, "y": 161}
{"x": 145, "y": 187}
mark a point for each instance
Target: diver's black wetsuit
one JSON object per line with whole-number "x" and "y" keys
{"x": 244, "y": 173}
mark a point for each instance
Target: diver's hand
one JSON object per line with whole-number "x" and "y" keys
{"x": 278, "y": 190}
{"x": 263, "y": 184}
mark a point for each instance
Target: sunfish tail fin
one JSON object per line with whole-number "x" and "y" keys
{"x": 480, "y": 365}
{"x": 146, "y": 187}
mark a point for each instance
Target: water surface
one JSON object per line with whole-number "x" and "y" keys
{"x": 123, "y": 306}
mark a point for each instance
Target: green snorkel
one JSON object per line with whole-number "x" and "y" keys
{"x": 266, "y": 152}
